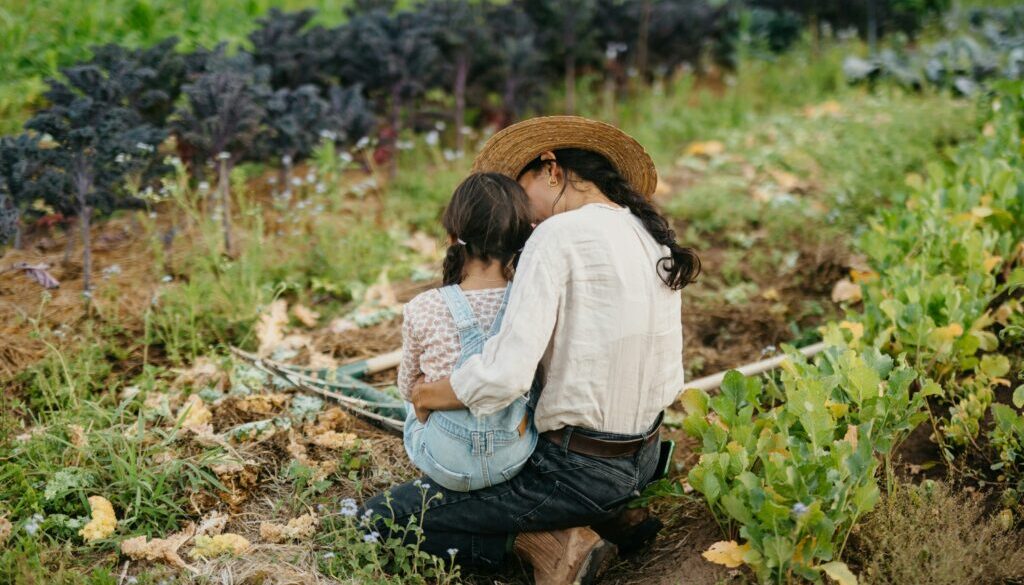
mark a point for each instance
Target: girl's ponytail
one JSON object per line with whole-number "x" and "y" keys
{"x": 454, "y": 264}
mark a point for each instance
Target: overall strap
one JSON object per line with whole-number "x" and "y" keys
{"x": 459, "y": 308}
{"x": 500, "y": 315}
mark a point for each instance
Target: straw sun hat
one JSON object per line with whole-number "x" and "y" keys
{"x": 511, "y": 149}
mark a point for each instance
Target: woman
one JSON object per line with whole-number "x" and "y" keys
{"x": 596, "y": 303}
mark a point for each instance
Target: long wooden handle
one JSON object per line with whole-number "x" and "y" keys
{"x": 715, "y": 380}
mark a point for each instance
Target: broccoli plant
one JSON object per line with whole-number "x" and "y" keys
{"x": 350, "y": 116}
{"x": 568, "y": 35}
{"x": 393, "y": 57}
{"x": 294, "y": 53}
{"x": 20, "y": 159}
{"x": 295, "y": 118}
{"x": 99, "y": 141}
{"x": 462, "y": 35}
{"x": 146, "y": 80}
{"x": 222, "y": 120}
{"x": 518, "y": 68}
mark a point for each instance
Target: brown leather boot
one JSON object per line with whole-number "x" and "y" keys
{"x": 565, "y": 557}
{"x": 631, "y": 530}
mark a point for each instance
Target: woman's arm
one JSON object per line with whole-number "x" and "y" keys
{"x": 493, "y": 379}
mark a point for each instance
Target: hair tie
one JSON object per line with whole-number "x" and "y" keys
{"x": 460, "y": 241}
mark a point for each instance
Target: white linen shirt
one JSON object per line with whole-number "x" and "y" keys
{"x": 589, "y": 305}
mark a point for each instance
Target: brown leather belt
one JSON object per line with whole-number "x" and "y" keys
{"x": 584, "y": 445}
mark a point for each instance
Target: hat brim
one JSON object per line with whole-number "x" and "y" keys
{"x": 511, "y": 149}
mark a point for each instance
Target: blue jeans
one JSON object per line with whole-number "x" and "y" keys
{"x": 556, "y": 489}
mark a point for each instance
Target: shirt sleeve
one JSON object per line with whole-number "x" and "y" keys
{"x": 504, "y": 370}
{"x": 412, "y": 351}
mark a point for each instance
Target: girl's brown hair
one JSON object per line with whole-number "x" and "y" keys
{"x": 489, "y": 217}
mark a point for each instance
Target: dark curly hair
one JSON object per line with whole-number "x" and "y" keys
{"x": 682, "y": 265}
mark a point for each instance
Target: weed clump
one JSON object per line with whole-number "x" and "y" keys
{"x": 929, "y": 534}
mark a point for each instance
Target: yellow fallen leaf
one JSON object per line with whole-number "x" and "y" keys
{"x": 270, "y": 328}
{"x": 262, "y": 403}
{"x": 381, "y": 294}
{"x": 851, "y": 435}
{"x": 158, "y": 549}
{"x": 204, "y": 371}
{"x": 846, "y": 291}
{"x": 838, "y": 409}
{"x": 5, "y": 529}
{"x": 981, "y": 211}
{"x": 839, "y": 572}
{"x": 770, "y": 294}
{"x": 859, "y": 276}
{"x": 857, "y": 329}
{"x": 222, "y": 544}
{"x": 948, "y": 333}
{"x": 785, "y": 180}
{"x": 706, "y": 149}
{"x": 335, "y": 440}
{"x": 103, "y": 521}
{"x": 301, "y": 528}
{"x": 726, "y": 552}
{"x": 305, "y": 315}
{"x": 991, "y": 262}
{"x": 194, "y": 414}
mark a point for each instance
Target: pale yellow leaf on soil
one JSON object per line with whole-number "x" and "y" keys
{"x": 196, "y": 414}
{"x": 103, "y": 522}
{"x": 947, "y": 333}
{"x": 707, "y": 149}
{"x": 839, "y": 572}
{"x": 770, "y": 294}
{"x": 381, "y": 293}
{"x": 726, "y": 552}
{"x": 158, "y": 549}
{"x": 305, "y": 315}
{"x": 301, "y": 528}
{"x": 335, "y": 440}
{"x": 846, "y": 291}
{"x": 422, "y": 244}
{"x": 270, "y": 328}
{"x": 5, "y": 529}
{"x": 340, "y": 325}
{"x": 222, "y": 544}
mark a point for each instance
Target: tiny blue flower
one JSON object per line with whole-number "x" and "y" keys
{"x": 799, "y": 509}
{"x": 371, "y": 537}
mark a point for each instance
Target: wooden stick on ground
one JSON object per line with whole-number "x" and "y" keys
{"x": 715, "y": 380}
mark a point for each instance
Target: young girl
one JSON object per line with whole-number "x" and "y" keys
{"x": 488, "y": 222}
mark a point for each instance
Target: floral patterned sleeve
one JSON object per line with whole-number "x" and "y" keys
{"x": 412, "y": 349}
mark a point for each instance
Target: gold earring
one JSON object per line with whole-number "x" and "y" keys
{"x": 552, "y": 181}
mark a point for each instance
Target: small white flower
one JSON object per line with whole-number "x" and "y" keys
{"x": 223, "y": 155}
{"x": 133, "y": 580}
{"x": 203, "y": 186}
{"x": 296, "y": 182}
{"x": 345, "y": 157}
{"x": 152, "y": 215}
{"x": 371, "y": 537}
{"x": 363, "y": 142}
{"x": 311, "y": 177}
{"x": 404, "y": 145}
{"x": 440, "y": 125}
{"x": 321, "y": 188}
{"x": 329, "y": 555}
{"x": 286, "y": 160}
{"x": 167, "y": 278}
{"x": 122, "y": 158}
{"x": 417, "y": 483}
{"x": 466, "y": 130}
{"x": 272, "y": 180}
{"x": 452, "y": 552}
{"x": 432, "y": 138}
{"x": 328, "y": 135}
{"x": 799, "y": 509}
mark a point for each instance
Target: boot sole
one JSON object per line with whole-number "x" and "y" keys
{"x": 598, "y": 561}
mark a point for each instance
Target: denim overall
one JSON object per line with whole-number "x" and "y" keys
{"x": 460, "y": 451}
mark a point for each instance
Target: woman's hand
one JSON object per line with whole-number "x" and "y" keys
{"x": 430, "y": 396}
